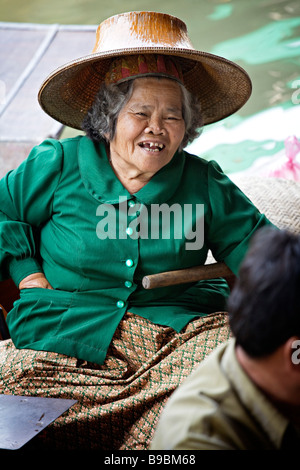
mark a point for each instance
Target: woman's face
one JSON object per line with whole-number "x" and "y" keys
{"x": 150, "y": 128}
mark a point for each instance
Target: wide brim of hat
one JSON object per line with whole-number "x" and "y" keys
{"x": 222, "y": 86}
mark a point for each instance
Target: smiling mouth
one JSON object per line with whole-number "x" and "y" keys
{"x": 152, "y": 146}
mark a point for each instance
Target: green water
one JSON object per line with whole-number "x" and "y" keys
{"x": 263, "y": 36}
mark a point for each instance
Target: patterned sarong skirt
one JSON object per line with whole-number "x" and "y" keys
{"x": 119, "y": 402}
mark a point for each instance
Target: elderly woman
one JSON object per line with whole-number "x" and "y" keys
{"x": 84, "y": 219}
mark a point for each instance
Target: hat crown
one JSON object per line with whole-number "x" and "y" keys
{"x": 141, "y": 30}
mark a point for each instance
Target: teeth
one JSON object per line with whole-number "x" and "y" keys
{"x": 151, "y": 144}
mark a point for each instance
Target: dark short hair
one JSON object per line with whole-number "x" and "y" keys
{"x": 264, "y": 306}
{"x": 100, "y": 121}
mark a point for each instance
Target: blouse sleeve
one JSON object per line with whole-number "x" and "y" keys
{"x": 233, "y": 219}
{"x": 26, "y": 196}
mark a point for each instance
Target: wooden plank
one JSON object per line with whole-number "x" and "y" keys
{"x": 36, "y": 54}
{"x": 29, "y": 53}
{"x": 16, "y": 51}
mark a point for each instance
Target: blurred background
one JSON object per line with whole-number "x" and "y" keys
{"x": 263, "y": 36}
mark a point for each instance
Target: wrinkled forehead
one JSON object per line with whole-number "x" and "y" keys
{"x": 147, "y": 90}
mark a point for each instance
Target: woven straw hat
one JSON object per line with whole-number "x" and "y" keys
{"x": 222, "y": 86}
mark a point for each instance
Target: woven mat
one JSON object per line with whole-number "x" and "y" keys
{"x": 278, "y": 199}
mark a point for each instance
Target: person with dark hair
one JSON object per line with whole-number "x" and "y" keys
{"x": 246, "y": 394}
{"x": 268, "y": 284}
{"x": 83, "y": 220}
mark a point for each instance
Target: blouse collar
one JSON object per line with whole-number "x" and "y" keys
{"x": 101, "y": 182}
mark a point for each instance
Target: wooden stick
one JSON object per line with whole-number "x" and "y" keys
{"x": 183, "y": 276}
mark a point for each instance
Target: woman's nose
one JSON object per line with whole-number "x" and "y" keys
{"x": 155, "y": 125}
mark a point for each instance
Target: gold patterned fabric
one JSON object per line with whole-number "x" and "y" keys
{"x": 119, "y": 402}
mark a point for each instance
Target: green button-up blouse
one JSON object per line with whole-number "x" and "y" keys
{"x": 65, "y": 213}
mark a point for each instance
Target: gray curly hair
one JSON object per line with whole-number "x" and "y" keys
{"x": 101, "y": 120}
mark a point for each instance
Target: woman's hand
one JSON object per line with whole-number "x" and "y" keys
{"x": 35, "y": 280}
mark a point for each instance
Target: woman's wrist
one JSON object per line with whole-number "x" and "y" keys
{"x": 19, "y": 269}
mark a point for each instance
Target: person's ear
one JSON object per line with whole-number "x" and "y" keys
{"x": 292, "y": 353}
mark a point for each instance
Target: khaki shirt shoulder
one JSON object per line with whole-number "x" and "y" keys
{"x": 218, "y": 408}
